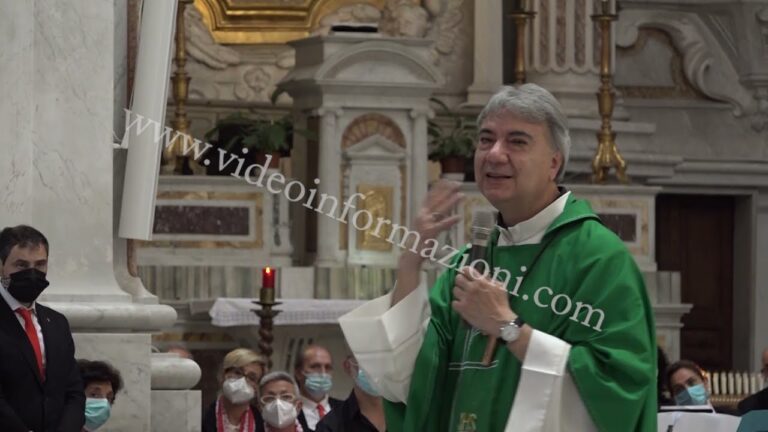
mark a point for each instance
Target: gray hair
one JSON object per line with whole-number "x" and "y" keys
{"x": 279, "y": 376}
{"x": 535, "y": 104}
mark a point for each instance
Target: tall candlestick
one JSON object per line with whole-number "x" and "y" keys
{"x": 267, "y": 313}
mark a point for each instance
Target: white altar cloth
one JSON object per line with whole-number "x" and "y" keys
{"x": 229, "y": 312}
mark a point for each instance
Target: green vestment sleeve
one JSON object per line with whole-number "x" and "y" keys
{"x": 612, "y": 364}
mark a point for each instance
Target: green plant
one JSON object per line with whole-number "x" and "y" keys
{"x": 455, "y": 141}
{"x": 259, "y": 134}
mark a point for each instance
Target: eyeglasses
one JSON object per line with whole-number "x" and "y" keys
{"x": 239, "y": 373}
{"x": 285, "y": 397}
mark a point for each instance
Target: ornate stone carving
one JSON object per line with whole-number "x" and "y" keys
{"x": 404, "y": 18}
{"x": 705, "y": 63}
{"x": 201, "y": 45}
{"x": 675, "y": 87}
{"x": 442, "y": 21}
{"x": 368, "y": 125}
{"x": 356, "y": 13}
{"x": 250, "y": 73}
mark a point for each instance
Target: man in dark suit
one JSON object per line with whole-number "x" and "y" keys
{"x": 40, "y": 385}
{"x": 313, "y": 371}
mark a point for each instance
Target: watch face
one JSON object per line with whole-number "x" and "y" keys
{"x": 510, "y": 332}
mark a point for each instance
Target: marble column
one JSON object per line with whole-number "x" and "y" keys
{"x": 59, "y": 174}
{"x": 563, "y": 53}
{"x": 488, "y": 53}
{"x": 419, "y": 172}
{"x": 64, "y": 147}
{"x": 328, "y": 252}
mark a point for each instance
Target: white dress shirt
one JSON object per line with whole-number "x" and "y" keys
{"x": 14, "y": 304}
{"x": 386, "y": 340}
{"x": 309, "y": 407}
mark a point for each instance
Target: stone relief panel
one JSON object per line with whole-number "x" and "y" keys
{"x": 448, "y": 23}
{"x": 249, "y": 73}
{"x": 233, "y": 73}
{"x": 705, "y": 62}
{"x": 653, "y": 68}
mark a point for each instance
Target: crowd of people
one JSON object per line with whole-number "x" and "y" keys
{"x": 251, "y": 399}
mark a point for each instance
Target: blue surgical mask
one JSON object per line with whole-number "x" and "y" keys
{"x": 97, "y": 413}
{"x": 364, "y": 383}
{"x": 694, "y": 395}
{"x": 318, "y": 384}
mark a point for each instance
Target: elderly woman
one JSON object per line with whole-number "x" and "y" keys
{"x": 279, "y": 403}
{"x": 239, "y": 378}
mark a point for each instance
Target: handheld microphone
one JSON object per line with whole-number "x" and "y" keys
{"x": 482, "y": 228}
{"x": 481, "y": 235}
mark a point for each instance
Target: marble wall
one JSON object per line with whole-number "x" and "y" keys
{"x": 130, "y": 355}
{"x": 176, "y": 410}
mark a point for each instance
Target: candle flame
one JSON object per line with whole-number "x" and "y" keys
{"x": 268, "y": 270}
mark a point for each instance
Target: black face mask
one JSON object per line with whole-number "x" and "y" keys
{"x": 26, "y": 285}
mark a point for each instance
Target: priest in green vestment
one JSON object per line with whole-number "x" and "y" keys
{"x": 566, "y": 302}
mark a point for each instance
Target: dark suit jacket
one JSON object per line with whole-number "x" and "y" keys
{"x": 334, "y": 403}
{"x": 28, "y": 403}
{"x": 758, "y": 401}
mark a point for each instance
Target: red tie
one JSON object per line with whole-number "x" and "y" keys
{"x": 29, "y": 327}
{"x": 320, "y": 411}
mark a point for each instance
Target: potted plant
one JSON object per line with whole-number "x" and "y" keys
{"x": 452, "y": 146}
{"x": 262, "y": 136}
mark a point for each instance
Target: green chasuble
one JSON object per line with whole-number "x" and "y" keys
{"x": 612, "y": 360}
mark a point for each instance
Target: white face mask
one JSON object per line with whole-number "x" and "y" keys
{"x": 279, "y": 413}
{"x": 237, "y": 390}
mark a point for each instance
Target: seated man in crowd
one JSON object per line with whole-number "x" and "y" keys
{"x": 363, "y": 411}
{"x": 279, "y": 403}
{"x": 314, "y": 374}
{"x": 101, "y": 382}
{"x": 239, "y": 378}
{"x": 689, "y": 386}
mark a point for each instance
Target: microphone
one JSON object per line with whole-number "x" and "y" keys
{"x": 481, "y": 235}
{"x": 482, "y": 228}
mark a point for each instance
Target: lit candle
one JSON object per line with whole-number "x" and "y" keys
{"x": 268, "y": 285}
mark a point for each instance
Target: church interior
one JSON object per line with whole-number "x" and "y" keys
{"x": 168, "y": 240}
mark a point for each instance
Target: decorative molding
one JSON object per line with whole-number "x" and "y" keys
{"x": 682, "y": 87}
{"x": 261, "y": 21}
{"x": 334, "y": 67}
{"x": 705, "y": 62}
{"x": 368, "y": 125}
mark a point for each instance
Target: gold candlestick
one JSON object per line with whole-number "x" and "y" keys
{"x": 607, "y": 155}
{"x": 173, "y": 162}
{"x": 520, "y": 17}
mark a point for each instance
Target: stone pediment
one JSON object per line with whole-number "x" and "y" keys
{"x": 368, "y": 63}
{"x": 375, "y": 147}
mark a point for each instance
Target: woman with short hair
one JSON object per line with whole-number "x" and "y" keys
{"x": 239, "y": 378}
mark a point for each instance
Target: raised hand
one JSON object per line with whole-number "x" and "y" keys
{"x": 432, "y": 218}
{"x": 434, "y": 215}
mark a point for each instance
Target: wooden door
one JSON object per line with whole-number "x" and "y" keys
{"x": 694, "y": 235}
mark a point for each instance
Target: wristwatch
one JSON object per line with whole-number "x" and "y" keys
{"x": 510, "y": 331}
